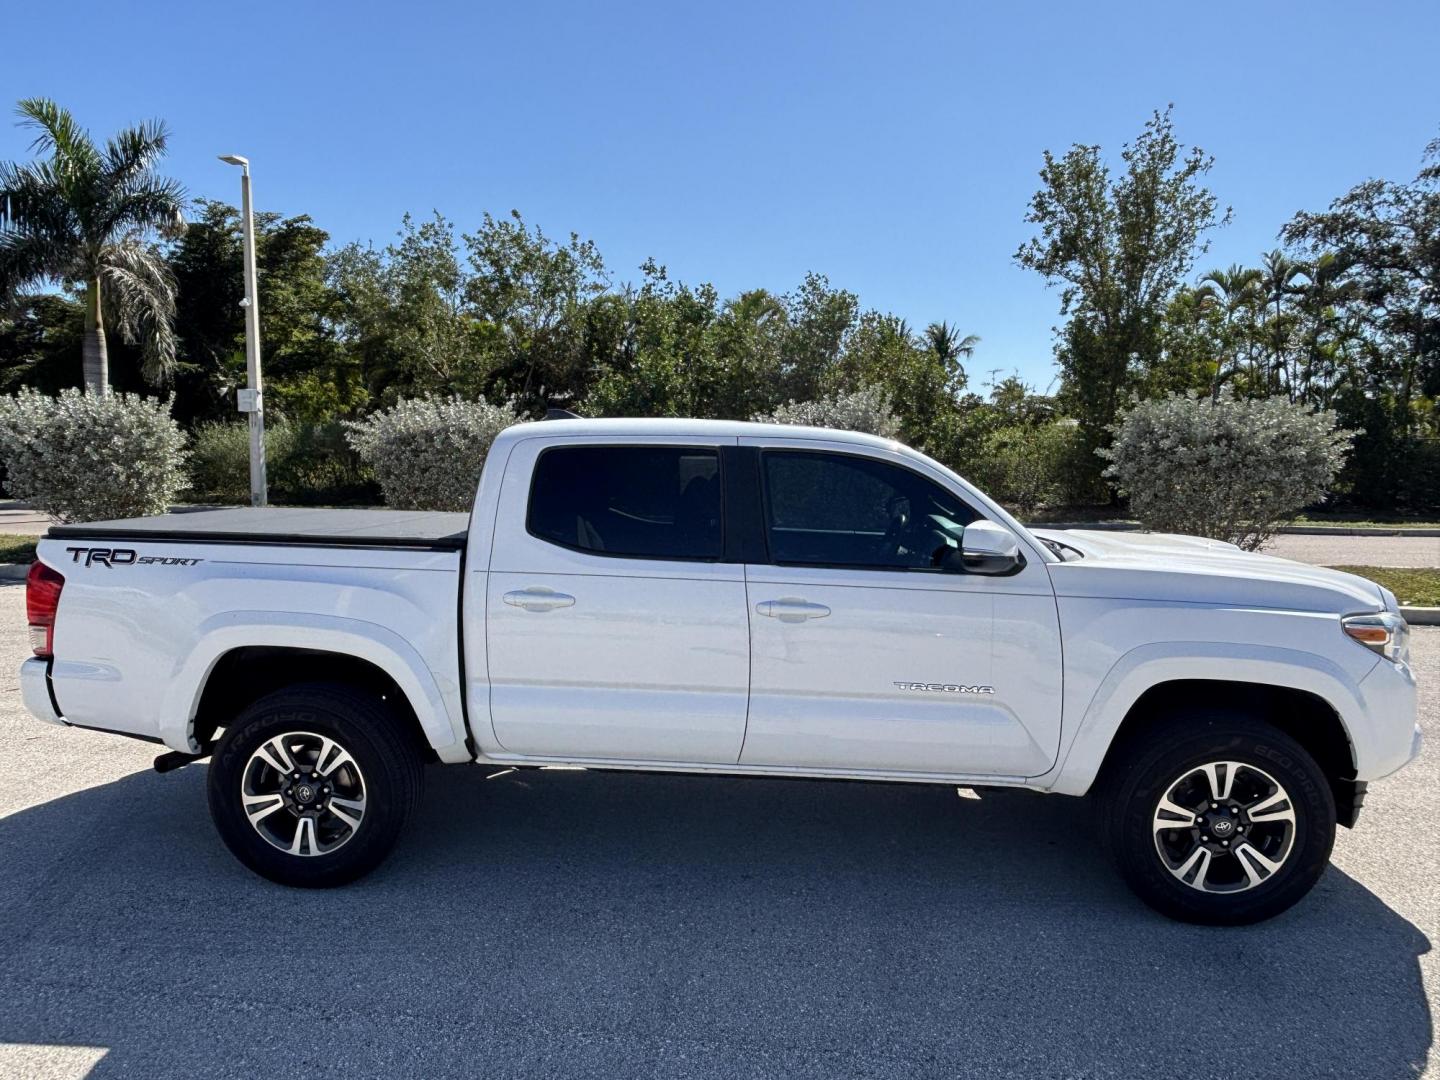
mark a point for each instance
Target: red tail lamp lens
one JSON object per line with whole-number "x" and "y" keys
{"x": 42, "y": 598}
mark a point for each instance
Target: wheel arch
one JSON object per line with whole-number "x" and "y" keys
{"x": 1308, "y": 696}
{"x": 1301, "y": 714}
{"x": 247, "y": 673}
{"x": 238, "y": 652}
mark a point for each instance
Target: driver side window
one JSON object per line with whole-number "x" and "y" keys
{"x": 828, "y": 509}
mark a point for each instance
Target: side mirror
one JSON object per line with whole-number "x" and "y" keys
{"x": 986, "y": 548}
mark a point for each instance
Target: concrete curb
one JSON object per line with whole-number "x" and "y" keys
{"x": 14, "y": 571}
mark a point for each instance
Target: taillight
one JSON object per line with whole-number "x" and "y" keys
{"x": 42, "y": 597}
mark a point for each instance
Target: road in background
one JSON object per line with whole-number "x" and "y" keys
{"x": 1357, "y": 550}
{"x": 570, "y": 924}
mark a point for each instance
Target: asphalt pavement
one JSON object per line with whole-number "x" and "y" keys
{"x": 568, "y": 924}
{"x": 1357, "y": 550}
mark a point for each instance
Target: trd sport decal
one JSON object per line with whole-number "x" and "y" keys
{"x": 109, "y": 557}
{"x": 945, "y": 688}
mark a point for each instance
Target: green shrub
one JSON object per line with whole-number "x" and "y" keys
{"x": 427, "y": 452}
{"x": 306, "y": 464}
{"x": 1029, "y": 466}
{"x": 87, "y": 457}
{"x": 1230, "y": 470}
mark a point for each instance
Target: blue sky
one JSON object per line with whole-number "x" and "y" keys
{"x": 891, "y": 146}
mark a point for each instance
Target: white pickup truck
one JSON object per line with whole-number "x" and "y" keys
{"x": 753, "y": 600}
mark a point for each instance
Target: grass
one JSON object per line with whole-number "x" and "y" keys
{"x": 1367, "y": 521}
{"x": 17, "y": 549}
{"x": 1413, "y": 588}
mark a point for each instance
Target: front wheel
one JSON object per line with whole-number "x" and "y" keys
{"x": 1218, "y": 819}
{"x": 312, "y": 785}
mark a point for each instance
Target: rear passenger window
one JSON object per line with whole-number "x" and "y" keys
{"x": 649, "y": 502}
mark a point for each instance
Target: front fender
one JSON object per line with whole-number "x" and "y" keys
{"x": 1150, "y": 665}
{"x": 437, "y": 706}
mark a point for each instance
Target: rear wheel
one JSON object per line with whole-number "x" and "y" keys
{"x": 1218, "y": 818}
{"x": 312, "y": 785}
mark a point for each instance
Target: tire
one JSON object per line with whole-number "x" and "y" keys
{"x": 1270, "y": 861}
{"x": 359, "y": 780}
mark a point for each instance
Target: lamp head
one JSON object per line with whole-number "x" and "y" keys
{"x": 235, "y": 159}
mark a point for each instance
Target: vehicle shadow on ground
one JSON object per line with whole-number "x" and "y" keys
{"x": 585, "y": 924}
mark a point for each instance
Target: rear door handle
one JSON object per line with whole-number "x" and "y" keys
{"x": 538, "y": 598}
{"x": 791, "y": 609}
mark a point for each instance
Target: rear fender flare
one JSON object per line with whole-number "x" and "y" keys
{"x": 437, "y": 705}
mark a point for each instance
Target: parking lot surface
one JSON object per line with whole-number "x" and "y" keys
{"x": 1357, "y": 550}
{"x": 573, "y": 924}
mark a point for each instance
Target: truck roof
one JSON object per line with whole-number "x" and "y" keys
{"x": 672, "y": 426}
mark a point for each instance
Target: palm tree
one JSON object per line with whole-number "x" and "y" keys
{"x": 946, "y": 343}
{"x": 83, "y": 218}
{"x": 1236, "y": 291}
{"x": 1278, "y": 277}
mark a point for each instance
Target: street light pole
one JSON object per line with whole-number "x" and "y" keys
{"x": 251, "y": 399}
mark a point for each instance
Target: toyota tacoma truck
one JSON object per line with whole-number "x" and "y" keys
{"x": 710, "y": 597}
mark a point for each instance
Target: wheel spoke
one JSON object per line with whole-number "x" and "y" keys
{"x": 259, "y": 807}
{"x": 274, "y": 754}
{"x": 1274, "y": 808}
{"x": 342, "y": 808}
{"x": 328, "y": 769}
{"x": 1221, "y": 775}
{"x": 1200, "y": 858}
{"x": 332, "y": 756}
{"x": 1249, "y": 859}
{"x": 305, "y": 831}
{"x": 1171, "y": 815}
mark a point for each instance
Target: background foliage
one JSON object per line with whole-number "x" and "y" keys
{"x": 427, "y": 453}
{"x": 84, "y": 457}
{"x": 1228, "y": 469}
{"x": 1343, "y": 315}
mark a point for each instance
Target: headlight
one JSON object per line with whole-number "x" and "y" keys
{"x": 1385, "y": 633}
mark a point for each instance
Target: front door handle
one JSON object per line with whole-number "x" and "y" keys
{"x": 538, "y": 598}
{"x": 791, "y": 609}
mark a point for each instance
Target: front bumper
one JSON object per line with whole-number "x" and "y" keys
{"x": 1388, "y": 736}
{"x": 35, "y": 691}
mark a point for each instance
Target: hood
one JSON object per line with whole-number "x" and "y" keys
{"x": 1192, "y": 569}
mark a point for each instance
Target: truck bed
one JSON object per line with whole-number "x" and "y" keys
{"x": 425, "y": 530}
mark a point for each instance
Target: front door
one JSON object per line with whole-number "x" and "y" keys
{"x": 614, "y": 629}
{"x": 865, "y": 654}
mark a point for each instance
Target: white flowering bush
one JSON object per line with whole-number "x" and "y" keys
{"x": 866, "y": 409}
{"x": 84, "y": 457}
{"x": 427, "y": 452}
{"x": 1227, "y": 469}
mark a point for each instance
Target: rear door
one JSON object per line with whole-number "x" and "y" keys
{"x": 615, "y": 628}
{"x": 864, "y": 653}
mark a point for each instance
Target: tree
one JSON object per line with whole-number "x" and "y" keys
{"x": 950, "y": 348}
{"x": 404, "y": 316}
{"x": 1119, "y": 248}
{"x": 39, "y": 341}
{"x": 1386, "y": 237}
{"x": 1278, "y": 276}
{"x": 532, "y": 293}
{"x": 84, "y": 218}
{"x": 308, "y": 375}
{"x": 1237, "y": 290}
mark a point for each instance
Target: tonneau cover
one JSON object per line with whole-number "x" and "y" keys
{"x": 282, "y": 525}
